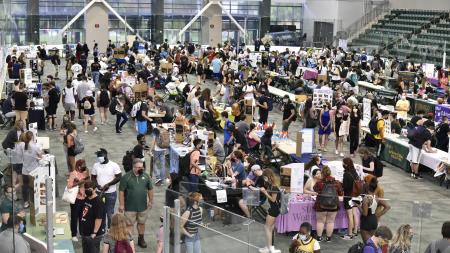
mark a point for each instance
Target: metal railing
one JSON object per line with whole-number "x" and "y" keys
{"x": 367, "y": 18}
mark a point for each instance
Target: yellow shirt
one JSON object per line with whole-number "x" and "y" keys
{"x": 402, "y": 105}
{"x": 380, "y": 127}
{"x": 307, "y": 248}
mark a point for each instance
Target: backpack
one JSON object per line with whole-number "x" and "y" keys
{"x": 104, "y": 97}
{"x": 359, "y": 248}
{"x": 135, "y": 109}
{"x": 378, "y": 170}
{"x": 283, "y": 199}
{"x": 112, "y": 106}
{"x": 127, "y": 160}
{"x": 163, "y": 138}
{"x": 269, "y": 104}
{"x": 373, "y": 126}
{"x": 328, "y": 199}
{"x": 79, "y": 146}
{"x": 185, "y": 165}
{"x": 87, "y": 104}
{"x": 123, "y": 246}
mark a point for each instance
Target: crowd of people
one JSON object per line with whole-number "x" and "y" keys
{"x": 243, "y": 155}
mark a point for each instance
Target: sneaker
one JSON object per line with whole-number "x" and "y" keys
{"x": 86, "y": 132}
{"x": 319, "y": 238}
{"x": 264, "y": 250}
{"x": 328, "y": 239}
{"x": 95, "y": 129}
{"x": 74, "y": 239}
{"x": 412, "y": 175}
{"x": 347, "y": 237}
{"x": 418, "y": 176}
{"x": 324, "y": 150}
{"x": 342, "y": 154}
{"x": 336, "y": 152}
{"x": 158, "y": 181}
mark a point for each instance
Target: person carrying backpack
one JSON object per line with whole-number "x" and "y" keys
{"x": 161, "y": 143}
{"x": 118, "y": 239}
{"x": 327, "y": 203}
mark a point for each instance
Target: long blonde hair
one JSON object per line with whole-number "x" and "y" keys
{"x": 402, "y": 238}
{"x": 119, "y": 229}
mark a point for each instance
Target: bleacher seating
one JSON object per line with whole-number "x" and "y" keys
{"x": 421, "y": 35}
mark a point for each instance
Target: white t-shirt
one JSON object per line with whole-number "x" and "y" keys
{"x": 105, "y": 173}
{"x": 248, "y": 89}
{"x": 195, "y": 106}
{"x": 69, "y": 95}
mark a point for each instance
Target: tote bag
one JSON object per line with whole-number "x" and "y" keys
{"x": 70, "y": 194}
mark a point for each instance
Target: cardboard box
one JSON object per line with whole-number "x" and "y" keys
{"x": 285, "y": 171}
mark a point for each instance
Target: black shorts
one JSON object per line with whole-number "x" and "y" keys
{"x": 347, "y": 206}
{"x": 18, "y": 168}
{"x": 51, "y": 109}
{"x": 273, "y": 211}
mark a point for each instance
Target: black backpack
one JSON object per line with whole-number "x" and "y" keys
{"x": 328, "y": 199}
{"x": 104, "y": 97}
{"x": 112, "y": 106}
{"x": 373, "y": 126}
{"x": 359, "y": 248}
{"x": 127, "y": 161}
{"x": 378, "y": 170}
{"x": 185, "y": 164}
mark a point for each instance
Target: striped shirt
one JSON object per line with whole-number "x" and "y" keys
{"x": 195, "y": 219}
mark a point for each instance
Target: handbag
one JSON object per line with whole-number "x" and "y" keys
{"x": 70, "y": 194}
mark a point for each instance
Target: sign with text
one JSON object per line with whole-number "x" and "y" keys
{"x": 441, "y": 111}
{"x": 320, "y": 97}
{"x": 221, "y": 196}
{"x": 367, "y": 111}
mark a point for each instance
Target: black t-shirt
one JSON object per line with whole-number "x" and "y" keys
{"x": 53, "y": 97}
{"x": 442, "y": 130}
{"x": 287, "y": 110}
{"x": 93, "y": 209}
{"x": 241, "y": 139}
{"x": 144, "y": 108}
{"x": 414, "y": 120}
{"x": 20, "y": 101}
{"x": 366, "y": 163}
{"x": 420, "y": 136}
{"x": 354, "y": 120}
{"x": 95, "y": 66}
{"x": 263, "y": 99}
{"x": 266, "y": 141}
{"x": 144, "y": 74}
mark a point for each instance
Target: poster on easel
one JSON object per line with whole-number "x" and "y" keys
{"x": 387, "y": 126}
{"x": 297, "y": 177}
{"x": 320, "y": 97}
{"x": 46, "y": 169}
{"x": 367, "y": 111}
{"x": 27, "y": 77}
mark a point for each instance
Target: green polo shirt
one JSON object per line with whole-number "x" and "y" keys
{"x": 7, "y": 207}
{"x": 135, "y": 189}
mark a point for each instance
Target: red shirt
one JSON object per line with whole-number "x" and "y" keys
{"x": 319, "y": 186}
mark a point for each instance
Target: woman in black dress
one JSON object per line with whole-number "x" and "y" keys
{"x": 271, "y": 191}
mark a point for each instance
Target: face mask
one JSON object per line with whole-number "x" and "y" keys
{"x": 285, "y": 100}
{"x": 140, "y": 171}
{"x": 100, "y": 159}
{"x": 303, "y": 237}
{"x": 88, "y": 192}
{"x": 143, "y": 143}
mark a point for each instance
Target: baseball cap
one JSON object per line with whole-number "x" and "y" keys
{"x": 255, "y": 167}
{"x": 101, "y": 152}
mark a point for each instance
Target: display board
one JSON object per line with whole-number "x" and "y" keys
{"x": 297, "y": 177}
{"x": 441, "y": 111}
{"x": 367, "y": 111}
{"x": 46, "y": 169}
{"x": 322, "y": 96}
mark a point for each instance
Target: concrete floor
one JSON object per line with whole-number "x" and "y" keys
{"x": 399, "y": 189}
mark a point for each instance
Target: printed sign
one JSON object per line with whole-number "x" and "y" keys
{"x": 221, "y": 196}
{"x": 441, "y": 111}
{"x": 321, "y": 96}
{"x": 297, "y": 177}
{"x": 367, "y": 111}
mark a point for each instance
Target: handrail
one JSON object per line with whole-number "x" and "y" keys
{"x": 367, "y": 18}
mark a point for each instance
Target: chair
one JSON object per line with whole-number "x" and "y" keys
{"x": 269, "y": 158}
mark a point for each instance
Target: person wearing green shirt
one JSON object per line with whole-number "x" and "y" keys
{"x": 6, "y": 206}
{"x": 136, "y": 198}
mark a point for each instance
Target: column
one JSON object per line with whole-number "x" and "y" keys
{"x": 32, "y": 28}
{"x": 157, "y": 21}
{"x": 212, "y": 25}
{"x": 96, "y": 20}
{"x": 264, "y": 13}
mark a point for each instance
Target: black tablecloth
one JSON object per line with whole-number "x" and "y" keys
{"x": 37, "y": 116}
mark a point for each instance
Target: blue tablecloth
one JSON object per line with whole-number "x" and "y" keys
{"x": 305, "y": 158}
{"x": 176, "y": 151}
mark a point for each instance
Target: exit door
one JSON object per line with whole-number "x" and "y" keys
{"x": 323, "y": 32}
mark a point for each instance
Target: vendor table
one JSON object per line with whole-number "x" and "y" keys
{"x": 177, "y": 151}
{"x": 37, "y": 116}
{"x": 417, "y": 105}
{"x": 302, "y": 211}
{"x": 155, "y": 115}
{"x": 61, "y": 242}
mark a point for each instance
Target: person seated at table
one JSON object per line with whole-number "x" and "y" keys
{"x": 326, "y": 214}
{"x": 240, "y": 141}
{"x": 314, "y": 163}
{"x": 236, "y": 169}
{"x": 255, "y": 183}
{"x": 266, "y": 139}
{"x": 253, "y": 138}
{"x": 303, "y": 242}
{"x": 6, "y": 206}
{"x": 316, "y": 175}
{"x": 367, "y": 160}
{"x": 218, "y": 149}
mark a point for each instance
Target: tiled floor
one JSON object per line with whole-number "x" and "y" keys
{"x": 399, "y": 188}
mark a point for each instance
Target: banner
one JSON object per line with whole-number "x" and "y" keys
{"x": 321, "y": 96}
{"x": 367, "y": 111}
{"x": 441, "y": 111}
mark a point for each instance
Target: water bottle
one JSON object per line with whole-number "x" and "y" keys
{"x": 211, "y": 214}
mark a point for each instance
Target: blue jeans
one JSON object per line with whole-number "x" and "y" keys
{"x": 159, "y": 164}
{"x": 110, "y": 202}
{"x": 193, "y": 244}
{"x": 95, "y": 77}
{"x": 193, "y": 180}
{"x": 121, "y": 119}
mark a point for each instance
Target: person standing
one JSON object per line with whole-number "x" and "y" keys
{"x": 89, "y": 110}
{"x": 325, "y": 126}
{"x": 77, "y": 178}
{"x": 419, "y": 137}
{"x": 216, "y": 64}
{"x": 103, "y": 99}
{"x": 355, "y": 125}
{"x": 352, "y": 185}
{"x": 402, "y": 241}
{"x": 12, "y": 234}
{"x": 227, "y": 132}
{"x": 442, "y": 245}
{"x": 159, "y": 153}
{"x": 118, "y": 234}
{"x": 191, "y": 220}
{"x": 21, "y": 103}
{"x": 32, "y": 153}
{"x": 136, "y": 198}
{"x": 379, "y": 240}
{"x": 53, "y": 100}
{"x": 142, "y": 116}
{"x": 92, "y": 221}
{"x": 194, "y": 169}
{"x": 121, "y": 115}
{"x": 95, "y": 70}
{"x": 76, "y": 68}
{"x": 82, "y": 90}
{"x": 379, "y": 138}
{"x": 106, "y": 174}
{"x": 271, "y": 192}
{"x": 69, "y": 100}
{"x": 263, "y": 105}
{"x": 288, "y": 113}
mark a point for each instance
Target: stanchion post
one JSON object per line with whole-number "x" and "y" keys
{"x": 166, "y": 224}
{"x": 49, "y": 210}
{"x": 176, "y": 237}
